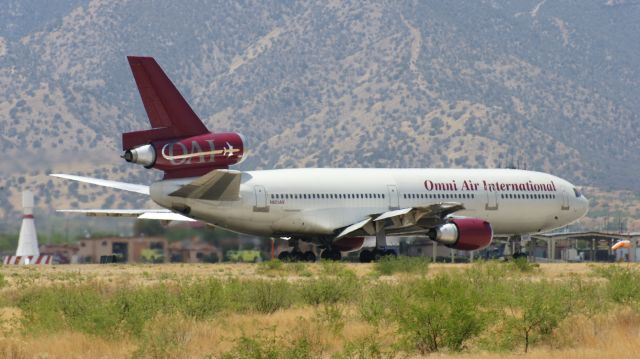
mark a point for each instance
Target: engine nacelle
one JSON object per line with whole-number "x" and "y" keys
{"x": 467, "y": 234}
{"x": 192, "y": 155}
{"x": 349, "y": 244}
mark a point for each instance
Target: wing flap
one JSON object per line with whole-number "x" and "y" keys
{"x": 410, "y": 220}
{"x": 352, "y": 228}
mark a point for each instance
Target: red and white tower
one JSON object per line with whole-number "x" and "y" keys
{"x": 28, "y": 240}
{"x": 28, "y": 251}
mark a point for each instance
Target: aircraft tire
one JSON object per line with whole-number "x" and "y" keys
{"x": 331, "y": 254}
{"x": 390, "y": 252}
{"x": 366, "y": 256}
{"x": 285, "y": 256}
{"x": 308, "y": 257}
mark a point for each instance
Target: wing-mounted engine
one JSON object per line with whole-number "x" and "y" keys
{"x": 178, "y": 143}
{"x": 467, "y": 234}
{"x": 432, "y": 220}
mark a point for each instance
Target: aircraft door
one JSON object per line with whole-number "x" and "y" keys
{"x": 565, "y": 201}
{"x": 260, "y": 204}
{"x": 492, "y": 201}
{"x": 394, "y": 199}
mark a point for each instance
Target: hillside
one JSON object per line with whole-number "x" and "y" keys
{"x": 553, "y": 86}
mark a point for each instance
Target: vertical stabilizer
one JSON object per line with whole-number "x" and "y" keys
{"x": 169, "y": 113}
{"x": 28, "y": 240}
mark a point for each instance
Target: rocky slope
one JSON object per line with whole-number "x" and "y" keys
{"x": 549, "y": 86}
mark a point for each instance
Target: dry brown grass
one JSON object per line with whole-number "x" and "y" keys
{"x": 614, "y": 335}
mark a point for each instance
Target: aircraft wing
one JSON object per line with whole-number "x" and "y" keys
{"x": 411, "y": 220}
{"x": 131, "y": 187}
{"x": 157, "y": 214}
{"x": 217, "y": 185}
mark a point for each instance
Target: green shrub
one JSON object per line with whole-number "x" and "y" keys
{"x": 330, "y": 290}
{"x": 268, "y": 346}
{"x": 390, "y": 265}
{"x": 134, "y": 307}
{"x": 269, "y": 296}
{"x": 378, "y": 304}
{"x": 624, "y": 283}
{"x": 202, "y": 300}
{"x": 535, "y": 310}
{"x": 522, "y": 264}
{"x": 441, "y": 313}
{"x": 335, "y": 269}
{"x": 364, "y": 349}
{"x": 267, "y": 266}
{"x": 3, "y": 281}
{"x": 78, "y": 308}
{"x": 166, "y": 336}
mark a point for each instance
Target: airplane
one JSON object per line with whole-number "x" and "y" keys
{"x": 331, "y": 208}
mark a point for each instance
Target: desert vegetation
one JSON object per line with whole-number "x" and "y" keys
{"x": 396, "y": 308}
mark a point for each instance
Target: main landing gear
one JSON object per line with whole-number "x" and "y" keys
{"x": 296, "y": 255}
{"x": 368, "y": 256}
{"x": 331, "y": 254}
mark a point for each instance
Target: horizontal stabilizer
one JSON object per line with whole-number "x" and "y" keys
{"x": 131, "y": 187}
{"x": 157, "y": 214}
{"x": 217, "y": 185}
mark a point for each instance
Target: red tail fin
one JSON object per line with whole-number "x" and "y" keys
{"x": 169, "y": 113}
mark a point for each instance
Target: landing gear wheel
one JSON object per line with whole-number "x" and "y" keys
{"x": 390, "y": 253}
{"x": 382, "y": 253}
{"x": 297, "y": 256}
{"x": 285, "y": 256}
{"x": 331, "y": 254}
{"x": 308, "y": 257}
{"x": 366, "y": 256}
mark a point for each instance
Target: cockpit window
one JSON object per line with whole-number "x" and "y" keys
{"x": 577, "y": 192}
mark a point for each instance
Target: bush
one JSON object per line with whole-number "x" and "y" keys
{"x": 166, "y": 336}
{"x": 328, "y": 290}
{"x": 536, "y": 309}
{"x": 390, "y": 265}
{"x": 271, "y": 265}
{"x": 442, "y": 313}
{"x": 3, "y": 281}
{"x": 268, "y": 297}
{"x": 522, "y": 264}
{"x": 624, "y": 283}
{"x": 202, "y": 300}
{"x": 334, "y": 268}
{"x": 135, "y": 307}
{"x": 269, "y": 346}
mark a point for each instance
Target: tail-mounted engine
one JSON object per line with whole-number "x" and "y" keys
{"x": 191, "y": 156}
{"x": 468, "y": 234}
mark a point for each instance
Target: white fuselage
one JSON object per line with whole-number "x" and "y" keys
{"x": 318, "y": 201}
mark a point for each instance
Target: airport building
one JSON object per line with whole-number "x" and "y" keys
{"x": 125, "y": 249}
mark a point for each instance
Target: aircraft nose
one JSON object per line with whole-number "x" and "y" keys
{"x": 583, "y": 205}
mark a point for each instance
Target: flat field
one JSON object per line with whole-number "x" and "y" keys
{"x": 396, "y": 308}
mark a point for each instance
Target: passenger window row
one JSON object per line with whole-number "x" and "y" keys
{"x": 327, "y": 196}
{"x": 438, "y": 195}
{"x": 527, "y": 196}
